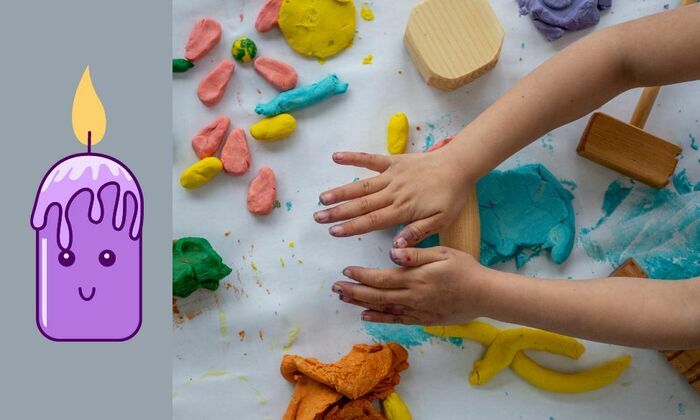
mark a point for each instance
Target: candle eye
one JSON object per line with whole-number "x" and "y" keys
{"x": 66, "y": 258}
{"x": 107, "y": 258}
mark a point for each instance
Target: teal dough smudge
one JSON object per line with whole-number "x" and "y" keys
{"x": 523, "y": 212}
{"x": 302, "y": 97}
{"x": 406, "y": 335}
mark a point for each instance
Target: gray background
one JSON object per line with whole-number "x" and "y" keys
{"x": 45, "y": 48}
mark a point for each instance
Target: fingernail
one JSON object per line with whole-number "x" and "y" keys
{"x": 346, "y": 272}
{"x": 396, "y": 254}
{"x": 321, "y": 216}
{"x": 325, "y": 198}
{"x": 336, "y": 230}
{"x": 400, "y": 242}
{"x": 365, "y": 317}
{"x": 336, "y": 289}
{"x": 337, "y": 156}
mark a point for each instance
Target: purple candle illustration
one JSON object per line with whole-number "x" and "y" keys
{"x": 88, "y": 217}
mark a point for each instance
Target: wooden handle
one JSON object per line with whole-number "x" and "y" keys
{"x": 644, "y": 105}
{"x": 464, "y": 233}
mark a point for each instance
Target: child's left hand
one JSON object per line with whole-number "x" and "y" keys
{"x": 434, "y": 286}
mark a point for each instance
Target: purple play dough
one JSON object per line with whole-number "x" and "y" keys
{"x": 554, "y": 17}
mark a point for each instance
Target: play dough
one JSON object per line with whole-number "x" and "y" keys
{"x": 200, "y": 173}
{"x": 523, "y": 212}
{"x": 280, "y": 75}
{"x": 367, "y": 372}
{"x": 181, "y": 65}
{"x": 397, "y": 134}
{"x": 262, "y": 192}
{"x": 212, "y": 88}
{"x": 554, "y": 17}
{"x": 304, "y": 96}
{"x": 244, "y": 50}
{"x": 235, "y": 155}
{"x": 195, "y": 265}
{"x": 394, "y": 408}
{"x": 274, "y": 128}
{"x": 203, "y": 38}
{"x": 359, "y": 409}
{"x": 267, "y": 17}
{"x": 318, "y": 28}
{"x": 209, "y": 138}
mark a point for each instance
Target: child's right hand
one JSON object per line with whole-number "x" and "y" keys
{"x": 424, "y": 191}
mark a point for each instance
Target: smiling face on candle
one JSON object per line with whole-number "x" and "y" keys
{"x": 87, "y": 217}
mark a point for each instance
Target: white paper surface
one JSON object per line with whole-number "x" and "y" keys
{"x": 274, "y": 299}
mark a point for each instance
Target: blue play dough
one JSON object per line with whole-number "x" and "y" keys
{"x": 302, "y": 97}
{"x": 523, "y": 212}
{"x": 406, "y": 335}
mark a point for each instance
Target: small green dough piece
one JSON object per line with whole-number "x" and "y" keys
{"x": 244, "y": 50}
{"x": 195, "y": 265}
{"x": 181, "y": 65}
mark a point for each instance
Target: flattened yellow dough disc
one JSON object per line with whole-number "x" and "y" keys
{"x": 318, "y": 28}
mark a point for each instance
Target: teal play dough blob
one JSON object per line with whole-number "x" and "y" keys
{"x": 406, "y": 335}
{"x": 523, "y": 212}
{"x": 302, "y": 97}
{"x": 660, "y": 229}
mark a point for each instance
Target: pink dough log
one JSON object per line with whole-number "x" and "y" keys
{"x": 235, "y": 155}
{"x": 209, "y": 138}
{"x": 262, "y": 192}
{"x": 267, "y": 18}
{"x": 204, "y": 36}
{"x": 212, "y": 88}
{"x": 280, "y": 75}
{"x": 440, "y": 144}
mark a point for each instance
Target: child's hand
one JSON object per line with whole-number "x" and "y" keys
{"x": 426, "y": 191}
{"x": 434, "y": 286}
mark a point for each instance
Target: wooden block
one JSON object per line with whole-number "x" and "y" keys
{"x": 686, "y": 362}
{"x": 628, "y": 150}
{"x": 465, "y": 232}
{"x": 453, "y": 42}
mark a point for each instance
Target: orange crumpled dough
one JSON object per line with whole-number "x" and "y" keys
{"x": 369, "y": 371}
{"x": 359, "y": 409}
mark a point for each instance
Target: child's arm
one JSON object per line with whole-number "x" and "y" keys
{"x": 656, "y": 50}
{"x": 439, "y": 286}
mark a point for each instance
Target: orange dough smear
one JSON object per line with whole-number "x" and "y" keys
{"x": 203, "y": 38}
{"x": 262, "y": 192}
{"x": 213, "y": 86}
{"x": 209, "y": 138}
{"x": 235, "y": 155}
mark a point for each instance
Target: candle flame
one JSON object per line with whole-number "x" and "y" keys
{"x": 89, "y": 118}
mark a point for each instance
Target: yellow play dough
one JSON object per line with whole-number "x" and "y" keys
{"x": 397, "y": 133}
{"x": 201, "y": 172}
{"x": 394, "y": 408}
{"x": 274, "y": 128}
{"x": 318, "y": 28}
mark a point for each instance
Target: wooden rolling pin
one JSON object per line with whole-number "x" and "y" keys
{"x": 465, "y": 232}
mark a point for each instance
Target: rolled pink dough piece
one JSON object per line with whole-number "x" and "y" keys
{"x": 213, "y": 86}
{"x": 440, "y": 144}
{"x": 235, "y": 155}
{"x": 203, "y": 38}
{"x": 277, "y": 73}
{"x": 262, "y": 192}
{"x": 269, "y": 13}
{"x": 209, "y": 138}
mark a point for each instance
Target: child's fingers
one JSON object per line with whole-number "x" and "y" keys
{"x": 415, "y": 257}
{"x": 376, "y": 220}
{"x": 354, "y": 208}
{"x": 353, "y": 190}
{"x": 377, "y": 163}
{"x": 415, "y": 232}
{"x": 376, "y": 316}
{"x": 388, "y": 309}
{"x": 386, "y": 278}
{"x": 371, "y": 295}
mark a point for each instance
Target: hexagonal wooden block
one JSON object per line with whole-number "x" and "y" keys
{"x": 453, "y": 42}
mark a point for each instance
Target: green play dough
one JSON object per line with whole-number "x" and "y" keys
{"x": 195, "y": 265}
{"x": 523, "y": 212}
{"x": 181, "y": 65}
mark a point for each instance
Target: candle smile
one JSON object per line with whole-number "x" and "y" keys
{"x": 86, "y": 299}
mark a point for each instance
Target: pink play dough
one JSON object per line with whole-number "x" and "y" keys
{"x": 209, "y": 138}
{"x": 262, "y": 192}
{"x": 204, "y": 36}
{"x": 212, "y": 88}
{"x": 267, "y": 18}
{"x": 280, "y": 75}
{"x": 235, "y": 155}
{"x": 440, "y": 144}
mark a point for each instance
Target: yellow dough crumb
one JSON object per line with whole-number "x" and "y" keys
{"x": 397, "y": 134}
{"x": 291, "y": 338}
{"x": 318, "y": 28}
{"x": 368, "y": 59}
{"x": 366, "y": 13}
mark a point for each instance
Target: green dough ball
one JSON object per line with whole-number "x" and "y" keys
{"x": 244, "y": 49}
{"x": 181, "y": 65}
{"x": 195, "y": 265}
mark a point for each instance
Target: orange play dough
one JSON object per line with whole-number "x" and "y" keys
{"x": 267, "y": 18}
{"x": 209, "y": 138}
{"x": 280, "y": 75}
{"x": 262, "y": 192}
{"x": 360, "y": 408}
{"x": 212, "y": 88}
{"x": 235, "y": 155}
{"x": 203, "y": 38}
